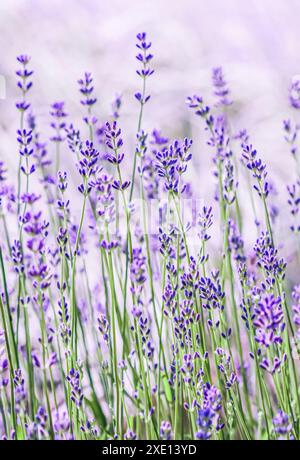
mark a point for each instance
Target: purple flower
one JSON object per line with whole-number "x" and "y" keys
{"x": 73, "y": 379}
{"x": 267, "y": 259}
{"x": 37, "y": 429}
{"x": 144, "y": 57}
{"x": 219, "y": 140}
{"x": 105, "y": 197}
{"x": 258, "y": 170}
{"x": 268, "y": 320}
{"x": 196, "y": 103}
{"x": 138, "y": 269}
{"x": 17, "y": 256}
{"x": 64, "y": 317}
{"x": 58, "y": 124}
{"x": 103, "y": 327}
{"x": 116, "y": 105}
{"x": 220, "y": 87}
{"x": 169, "y": 299}
{"x": 86, "y": 88}
{"x": 212, "y": 397}
{"x": 291, "y": 135}
{"x": 130, "y": 435}
{"x": 282, "y": 425}
{"x": 294, "y": 92}
{"x": 19, "y": 389}
{"x": 205, "y": 222}
{"x": 41, "y": 420}
{"x": 109, "y": 245}
{"x": 236, "y": 242}
{"x": 61, "y": 424}
{"x": 172, "y": 162}
{"x": 296, "y": 307}
{"x": 114, "y": 142}
{"x": 91, "y": 428}
{"x": 294, "y": 202}
{"x": 87, "y": 166}
{"x": 158, "y": 139}
{"x": 205, "y": 423}
{"x": 211, "y": 292}
{"x": 4, "y": 368}
{"x": 73, "y": 138}
{"x": 3, "y": 171}
{"x": 165, "y": 431}
{"x": 24, "y": 139}
{"x": 24, "y": 83}
{"x": 229, "y": 182}
{"x": 253, "y": 163}
{"x": 62, "y": 181}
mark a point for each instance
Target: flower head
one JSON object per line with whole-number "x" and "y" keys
{"x": 294, "y": 93}
{"x": 58, "y": 123}
{"x": 144, "y": 57}
{"x": 220, "y": 87}
{"x": 282, "y": 425}
{"x": 24, "y": 82}
{"x": 269, "y": 320}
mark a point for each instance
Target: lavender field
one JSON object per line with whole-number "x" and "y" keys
{"x": 149, "y": 225}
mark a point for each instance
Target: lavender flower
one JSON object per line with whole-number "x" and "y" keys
{"x": 74, "y": 380}
{"x": 219, "y": 140}
{"x": 87, "y": 166}
{"x": 130, "y": 435}
{"x": 17, "y": 257}
{"x": 282, "y": 425}
{"x": 144, "y": 57}
{"x": 103, "y": 327}
{"x": 37, "y": 429}
{"x": 61, "y": 424}
{"x": 114, "y": 142}
{"x": 172, "y": 162}
{"x": 230, "y": 183}
{"x": 296, "y": 308}
{"x": 138, "y": 271}
{"x": 258, "y": 170}
{"x": 269, "y": 321}
{"x": 294, "y": 202}
{"x": 236, "y": 242}
{"x": 116, "y": 106}
{"x": 220, "y": 87}
{"x": 291, "y": 135}
{"x": 4, "y": 368}
{"x": 86, "y": 88}
{"x": 294, "y": 92}
{"x": 205, "y": 222}
{"x": 196, "y": 103}
{"x": 3, "y": 171}
{"x": 24, "y": 82}
{"x": 19, "y": 390}
{"x": 73, "y": 138}
{"x": 165, "y": 431}
{"x": 205, "y": 424}
{"x": 268, "y": 260}
{"x": 24, "y": 139}
{"x": 211, "y": 292}
{"x": 58, "y": 124}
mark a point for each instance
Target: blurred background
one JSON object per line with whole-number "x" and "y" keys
{"x": 256, "y": 42}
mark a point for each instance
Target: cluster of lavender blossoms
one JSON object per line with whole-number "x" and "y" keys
{"x": 114, "y": 329}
